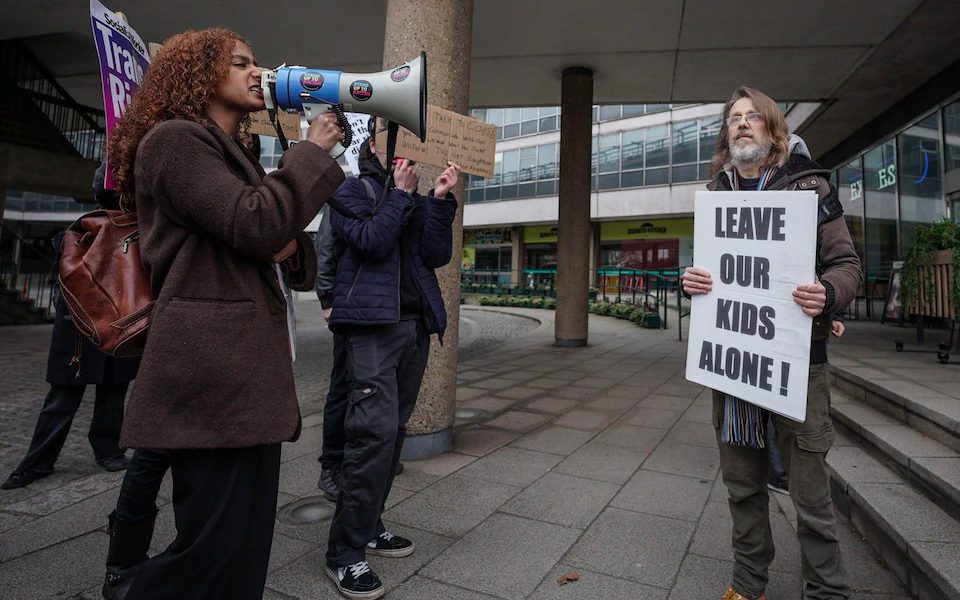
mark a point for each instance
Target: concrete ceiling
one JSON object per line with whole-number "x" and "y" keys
{"x": 857, "y": 57}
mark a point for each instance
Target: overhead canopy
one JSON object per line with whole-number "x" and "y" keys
{"x": 858, "y": 58}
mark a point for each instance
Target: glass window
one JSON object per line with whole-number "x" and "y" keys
{"x": 547, "y": 162}
{"x": 512, "y": 115}
{"x": 479, "y": 113}
{"x": 593, "y": 154}
{"x": 546, "y": 111}
{"x": 654, "y": 108}
{"x": 880, "y": 207}
{"x": 684, "y": 173}
{"x": 632, "y": 110}
{"x": 529, "y": 112}
{"x": 548, "y": 123}
{"x": 704, "y": 171}
{"x": 511, "y": 131}
{"x": 495, "y": 116}
{"x": 493, "y": 193}
{"x": 609, "y": 156}
{"x": 527, "y": 190}
{"x": 632, "y": 154}
{"x": 656, "y": 176}
{"x": 631, "y": 179}
{"x": 528, "y": 128}
{"x": 918, "y": 174}
{"x": 511, "y": 163}
{"x": 658, "y": 147}
{"x": 609, "y": 181}
{"x": 709, "y": 130}
{"x": 609, "y": 112}
{"x": 951, "y": 134}
{"x": 547, "y": 188}
{"x": 596, "y": 113}
{"x": 849, "y": 182}
{"x": 685, "y": 142}
{"x": 528, "y": 163}
{"x": 509, "y": 191}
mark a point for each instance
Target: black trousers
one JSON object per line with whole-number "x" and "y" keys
{"x": 386, "y": 367}
{"x": 141, "y": 484}
{"x": 335, "y": 408}
{"x": 56, "y": 417}
{"x": 225, "y": 504}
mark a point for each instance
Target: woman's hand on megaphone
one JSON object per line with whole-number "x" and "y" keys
{"x": 446, "y": 180}
{"x": 404, "y": 176}
{"x": 324, "y": 131}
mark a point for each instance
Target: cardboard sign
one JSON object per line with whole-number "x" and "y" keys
{"x": 290, "y": 123}
{"x": 123, "y": 61}
{"x": 358, "y": 124}
{"x": 450, "y": 136}
{"x": 748, "y": 337}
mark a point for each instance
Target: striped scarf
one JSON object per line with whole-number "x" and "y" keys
{"x": 743, "y": 423}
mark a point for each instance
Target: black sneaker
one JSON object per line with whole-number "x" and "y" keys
{"x": 779, "y": 487}
{"x": 329, "y": 483}
{"x": 114, "y": 463}
{"x": 399, "y": 468}
{"x": 389, "y": 545}
{"x": 19, "y": 480}
{"x": 356, "y": 581}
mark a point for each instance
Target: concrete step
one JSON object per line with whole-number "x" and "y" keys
{"x": 933, "y": 468}
{"x": 918, "y": 540}
{"x": 934, "y": 415}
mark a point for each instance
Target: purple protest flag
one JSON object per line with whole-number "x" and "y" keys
{"x": 123, "y": 61}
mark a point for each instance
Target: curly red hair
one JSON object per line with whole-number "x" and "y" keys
{"x": 179, "y": 84}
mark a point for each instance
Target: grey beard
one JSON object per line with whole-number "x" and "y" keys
{"x": 751, "y": 154}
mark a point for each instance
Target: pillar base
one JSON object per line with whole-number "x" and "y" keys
{"x": 428, "y": 445}
{"x": 570, "y": 343}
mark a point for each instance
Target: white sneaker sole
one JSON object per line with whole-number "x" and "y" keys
{"x": 380, "y": 591}
{"x": 393, "y": 553}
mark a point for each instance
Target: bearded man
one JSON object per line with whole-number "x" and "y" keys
{"x": 755, "y": 152}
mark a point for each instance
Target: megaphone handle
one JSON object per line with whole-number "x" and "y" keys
{"x": 392, "y": 131}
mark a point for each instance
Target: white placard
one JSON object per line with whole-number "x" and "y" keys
{"x": 748, "y": 337}
{"x": 358, "y": 124}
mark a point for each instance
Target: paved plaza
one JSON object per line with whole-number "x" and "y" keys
{"x": 599, "y": 461}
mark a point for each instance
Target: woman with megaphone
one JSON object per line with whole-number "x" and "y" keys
{"x": 220, "y": 242}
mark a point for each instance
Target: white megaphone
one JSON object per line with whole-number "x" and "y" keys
{"x": 398, "y": 95}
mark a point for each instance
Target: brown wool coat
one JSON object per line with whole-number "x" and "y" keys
{"x": 216, "y": 370}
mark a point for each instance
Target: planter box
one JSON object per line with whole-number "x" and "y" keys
{"x": 939, "y": 303}
{"x": 651, "y": 321}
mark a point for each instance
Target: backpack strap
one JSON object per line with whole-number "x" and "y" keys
{"x": 371, "y": 193}
{"x": 346, "y": 212}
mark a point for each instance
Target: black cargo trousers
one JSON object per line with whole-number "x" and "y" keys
{"x": 385, "y": 365}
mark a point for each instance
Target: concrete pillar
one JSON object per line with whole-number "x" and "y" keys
{"x": 516, "y": 255}
{"x": 443, "y": 29}
{"x": 573, "y": 246}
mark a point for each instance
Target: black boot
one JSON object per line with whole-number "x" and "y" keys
{"x": 128, "y": 549}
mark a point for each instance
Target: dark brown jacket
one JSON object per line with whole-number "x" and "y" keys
{"x": 216, "y": 370}
{"x": 838, "y": 265}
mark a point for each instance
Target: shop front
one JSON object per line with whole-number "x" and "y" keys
{"x": 631, "y": 251}
{"x": 487, "y": 257}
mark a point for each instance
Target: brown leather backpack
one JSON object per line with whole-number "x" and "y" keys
{"x": 103, "y": 283}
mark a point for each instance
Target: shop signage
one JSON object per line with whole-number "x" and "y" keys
{"x": 649, "y": 229}
{"x": 748, "y": 337}
{"x": 486, "y": 237}
{"x": 540, "y": 234}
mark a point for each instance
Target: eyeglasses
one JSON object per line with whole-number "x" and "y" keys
{"x": 753, "y": 117}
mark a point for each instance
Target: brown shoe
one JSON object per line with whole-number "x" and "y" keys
{"x": 732, "y": 594}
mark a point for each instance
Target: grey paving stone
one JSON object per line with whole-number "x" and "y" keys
{"x": 684, "y": 459}
{"x": 299, "y": 476}
{"x": 639, "y": 439}
{"x": 513, "y": 466}
{"x": 940, "y": 559}
{"x": 441, "y": 465}
{"x": 665, "y": 402}
{"x": 573, "y": 392}
{"x": 287, "y": 549}
{"x": 562, "y": 500}
{"x": 310, "y": 442}
{"x": 604, "y": 462}
{"x": 487, "y": 404}
{"x": 552, "y": 405}
{"x": 693, "y": 433}
{"x": 707, "y": 578}
{"x": 683, "y": 390}
{"x": 478, "y": 441}
{"x": 664, "y": 495}
{"x": 855, "y": 465}
{"x": 51, "y": 501}
{"x": 911, "y": 517}
{"x": 468, "y": 393}
{"x": 75, "y": 520}
{"x": 493, "y": 383}
{"x": 452, "y": 506}
{"x": 60, "y": 571}
{"x": 642, "y": 548}
{"x": 593, "y": 586}
{"x": 903, "y": 443}
{"x": 944, "y": 471}
{"x": 699, "y": 412}
{"x": 518, "y": 392}
{"x": 554, "y": 440}
{"x": 505, "y": 556}
{"x": 645, "y": 416}
{"x": 519, "y": 421}
{"x": 866, "y": 572}
{"x": 414, "y": 479}
{"x": 590, "y": 420}
{"x": 595, "y": 382}
{"x": 422, "y": 588}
